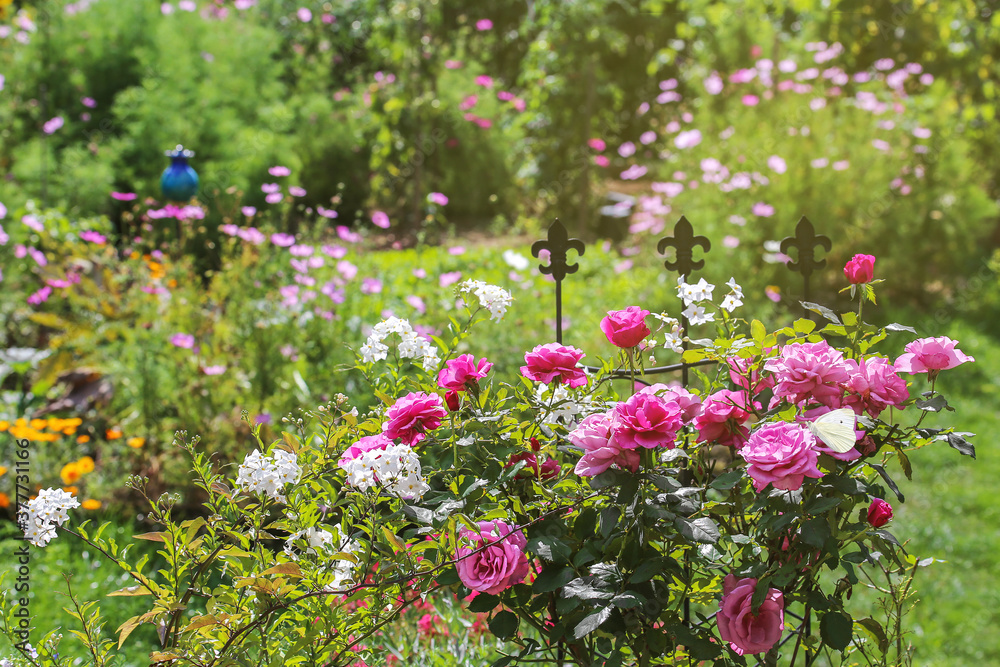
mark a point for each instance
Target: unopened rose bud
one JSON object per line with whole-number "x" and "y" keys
{"x": 860, "y": 269}
{"x": 879, "y": 513}
{"x": 452, "y": 401}
{"x": 867, "y": 446}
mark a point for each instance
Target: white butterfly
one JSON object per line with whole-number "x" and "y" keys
{"x": 836, "y": 429}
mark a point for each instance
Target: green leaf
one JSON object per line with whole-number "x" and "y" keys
{"x": 552, "y": 578}
{"x": 584, "y": 588}
{"x": 484, "y": 603}
{"x": 757, "y": 331}
{"x": 727, "y": 480}
{"x": 815, "y": 532}
{"x": 836, "y": 629}
{"x": 935, "y": 404}
{"x": 647, "y": 570}
{"x": 888, "y": 480}
{"x": 820, "y": 505}
{"x": 591, "y": 622}
{"x": 504, "y": 624}
{"x": 900, "y": 327}
{"x": 874, "y": 628}
{"x": 803, "y": 326}
{"x": 549, "y": 548}
{"x": 822, "y": 310}
{"x": 961, "y": 444}
{"x": 703, "y": 530}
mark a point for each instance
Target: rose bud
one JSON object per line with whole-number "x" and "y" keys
{"x": 452, "y": 401}
{"x": 860, "y": 269}
{"x": 879, "y": 513}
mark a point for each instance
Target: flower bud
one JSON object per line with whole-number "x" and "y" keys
{"x": 451, "y": 400}
{"x": 860, "y": 269}
{"x": 879, "y": 513}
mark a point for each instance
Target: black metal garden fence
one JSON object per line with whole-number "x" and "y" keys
{"x": 805, "y": 242}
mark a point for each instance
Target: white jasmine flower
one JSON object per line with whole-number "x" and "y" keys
{"x": 39, "y": 516}
{"x": 396, "y": 469}
{"x": 266, "y": 475}
{"x": 696, "y": 314}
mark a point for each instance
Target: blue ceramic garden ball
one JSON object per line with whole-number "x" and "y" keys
{"x": 179, "y": 182}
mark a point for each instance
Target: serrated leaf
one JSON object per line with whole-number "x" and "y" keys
{"x": 591, "y": 622}
{"x": 584, "y": 588}
{"x": 934, "y": 404}
{"x": 552, "y": 578}
{"x": 504, "y": 624}
{"x": 875, "y": 629}
{"x": 727, "y": 480}
{"x": 703, "y": 530}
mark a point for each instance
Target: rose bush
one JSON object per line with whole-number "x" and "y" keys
{"x": 595, "y": 528}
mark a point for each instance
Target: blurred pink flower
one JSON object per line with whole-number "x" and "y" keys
{"x": 713, "y": 84}
{"x": 282, "y": 240}
{"x": 345, "y": 234}
{"x": 452, "y": 64}
{"x": 597, "y": 144}
{"x": 182, "y": 340}
{"x": 52, "y": 125}
{"x": 88, "y": 102}
{"x": 380, "y": 219}
{"x": 456, "y": 250}
{"x": 296, "y": 191}
{"x": 763, "y": 210}
{"x": 417, "y": 303}
{"x": 270, "y": 188}
{"x": 730, "y": 241}
{"x": 41, "y": 296}
{"x": 304, "y": 15}
{"x": 93, "y": 237}
{"x": 485, "y": 81}
{"x": 274, "y": 198}
{"x": 249, "y": 211}
{"x": 449, "y": 278}
{"x": 468, "y": 102}
{"x": 437, "y": 198}
{"x": 601, "y": 160}
{"x": 484, "y": 24}
{"x": 279, "y": 171}
{"x": 326, "y": 212}
{"x": 334, "y": 251}
{"x": 371, "y": 286}
{"x": 750, "y": 100}
{"x": 213, "y": 370}
{"x": 346, "y": 269}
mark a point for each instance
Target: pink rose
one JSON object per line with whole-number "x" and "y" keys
{"x": 781, "y": 454}
{"x": 646, "y": 420}
{"x": 464, "y": 372}
{"x": 809, "y": 371}
{"x": 879, "y": 513}
{"x": 931, "y": 355}
{"x": 452, "y": 400}
{"x": 860, "y": 269}
{"x": 547, "y": 362}
{"x": 690, "y": 404}
{"x": 600, "y": 451}
{"x": 873, "y": 386}
{"x": 412, "y": 415}
{"x": 821, "y": 447}
{"x": 550, "y": 469}
{"x": 497, "y": 567}
{"x": 722, "y": 418}
{"x": 742, "y": 373}
{"x": 625, "y": 328}
{"x": 747, "y": 632}
{"x": 366, "y": 444}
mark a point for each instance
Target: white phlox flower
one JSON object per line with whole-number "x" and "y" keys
{"x": 411, "y": 344}
{"x": 494, "y": 299}
{"x": 515, "y": 260}
{"x": 396, "y": 469}
{"x": 40, "y": 515}
{"x": 266, "y": 475}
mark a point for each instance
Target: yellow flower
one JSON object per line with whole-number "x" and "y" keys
{"x": 70, "y": 473}
{"x": 3, "y": 471}
{"x": 91, "y": 504}
{"x": 85, "y": 464}
{"x": 112, "y": 434}
{"x": 82, "y": 439}
{"x": 135, "y": 443}
{"x": 73, "y": 422}
{"x": 4, "y": 425}
{"x": 39, "y": 424}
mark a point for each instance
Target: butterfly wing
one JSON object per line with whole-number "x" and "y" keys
{"x": 836, "y": 429}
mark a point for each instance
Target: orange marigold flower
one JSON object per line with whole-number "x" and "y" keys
{"x": 112, "y": 434}
{"x": 74, "y": 421}
{"x": 85, "y": 464}
{"x": 136, "y": 442}
{"x": 70, "y": 431}
{"x": 3, "y": 471}
{"x": 71, "y": 489}
{"x": 4, "y": 425}
{"x": 83, "y": 439}
{"x": 39, "y": 424}
{"x": 70, "y": 473}
{"x": 91, "y": 504}
{"x": 45, "y": 437}
{"x": 4, "y": 500}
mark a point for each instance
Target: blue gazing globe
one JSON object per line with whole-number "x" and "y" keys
{"x": 179, "y": 182}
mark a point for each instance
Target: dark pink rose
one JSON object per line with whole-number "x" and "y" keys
{"x": 497, "y": 567}
{"x": 781, "y": 454}
{"x": 879, "y": 513}
{"x": 860, "y": 269}
{"x": 452, "y": 400}
{"x": 530, "y": 468}
{"x": 553, "y": 361}
{"x": 690, "y": 404}
{"x": 931, "y": 355}
{"x": 722, "y": 418}
{"x": 412, "y": 415}
{"x": 873, "y": 386}
{"x": 809, "y": 372}
{"x": 600, "y": 451}
{"x": 366, "y": 444}
{"x": 461, "y": 373}
{"x": 747, "y": 632}
{"x": 646, "y": 420}
{"x": 550, "y": 469}
{"x": 626, "y": 328}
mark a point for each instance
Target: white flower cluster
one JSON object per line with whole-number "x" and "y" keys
{"x": 264, "y": 474}
{"x": 673, "y": 337}
{"x": 411, "y": 345}
{"x": 494, "y": 299}
{"x": 564, "y": 408}
{"x": 39, "y": 516}
{"x": 395, "y": 468}
{"x": 320, "y": 540}
{"x": 693, "y": 295}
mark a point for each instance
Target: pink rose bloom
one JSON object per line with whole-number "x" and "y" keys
{"x": 366, "y": 444}
{"x": 722, "y": 418}
{"x": 690, "y": 404}
{"x": 746, "y": 632}
{"x": 873, "y": 386}
{"x": 646, "y": 420}
{"x": 497, "y": 567}
{"x": 625, "y": 328}
{"x": 821, "y": 447}
{"x": 464, "y": 372}
{"x": 879, "y": 513}
{"x": 412, "y": 415}
{"x": 931, "y": 355}
{"x": 860, "y": 269}
{"x": 809, "y": 371}
{"x": 781, "y": 454}
{"x": 742, "y": 374}
{"x": 548, "y": 362}
{"x": 600, "y": 451}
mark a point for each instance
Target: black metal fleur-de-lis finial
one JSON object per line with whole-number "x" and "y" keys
{"x": 805, "y": 241}
{"x": 683, "y": 241}
{"x": 558, "y": 243}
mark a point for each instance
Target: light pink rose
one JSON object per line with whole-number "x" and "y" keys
{"x": 412, "y": 415}
{"x": 497, "y": 567}
{"x": 809, "y": 371}
{"x": 782, "y": 454}
{"x": 366, "y": 444}
{"x": 461, "y": 373}
{"x": 860, "y": 269}
{"x": 747, "y": 632}
{"x": 722, "y": 418}
{"x": 873, "y": 386}
{"x": 548, "y": 362}
{"x": 626, "y": 328}
{"x": 600, "y": 451}
{"x": 646, "y": 420}
{"x": 931, "y": 355}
